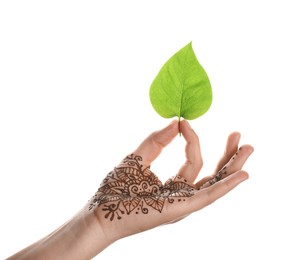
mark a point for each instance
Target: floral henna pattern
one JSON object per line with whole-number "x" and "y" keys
{"x": 132, "y": 188}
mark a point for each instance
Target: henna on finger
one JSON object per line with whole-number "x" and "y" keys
{"x": 132, "y": 188}
{"x": 223, "y": 173}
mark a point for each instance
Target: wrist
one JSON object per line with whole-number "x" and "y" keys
{"x": 82, "y": 237}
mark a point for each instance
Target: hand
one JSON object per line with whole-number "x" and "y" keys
{"x": 132, "y": 199}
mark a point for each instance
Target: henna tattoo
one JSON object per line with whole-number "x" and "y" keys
{"x": 220, "y": 175}
{"x": 132, "y": 188}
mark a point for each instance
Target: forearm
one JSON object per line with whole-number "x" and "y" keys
{"x": 79, "y": 238}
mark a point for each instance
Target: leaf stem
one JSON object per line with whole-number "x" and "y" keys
{"x": 179, "y": 126}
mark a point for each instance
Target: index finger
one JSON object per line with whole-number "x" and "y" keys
{"x": 194, "y": 162}
{"x": 152, "y": 146}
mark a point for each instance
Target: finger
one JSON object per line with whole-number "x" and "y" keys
{"x": 235, "y": 163}
{"x": 209, "y": 195}
{"x": 231, "y": 148}
{"x": 238, "y": 160}
{"x": 194, "y": 161}
{"x": 178, "y": 210}
{"x": 152, "y": 146}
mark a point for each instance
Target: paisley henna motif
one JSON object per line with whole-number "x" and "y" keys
{"x": 131, "y": 188}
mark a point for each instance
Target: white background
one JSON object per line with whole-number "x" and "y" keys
{"x": 74, "y": 82}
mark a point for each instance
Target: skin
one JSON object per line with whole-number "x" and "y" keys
{"x": 89, "y": 232}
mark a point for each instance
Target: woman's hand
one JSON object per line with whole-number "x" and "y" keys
{"x": 132, "y": 199}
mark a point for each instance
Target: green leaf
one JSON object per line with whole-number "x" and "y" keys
{"x": 182, "y": 87}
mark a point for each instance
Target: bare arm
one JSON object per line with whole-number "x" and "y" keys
{"x": 132, "y": 199}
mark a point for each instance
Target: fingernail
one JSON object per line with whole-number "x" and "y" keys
{"x": 237, "y": 138}
{"x": 172, "y": 124}
{"x": 245, "y": 176}
{"x": 173, "y": 121}
{"x": 187, "y": 123}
